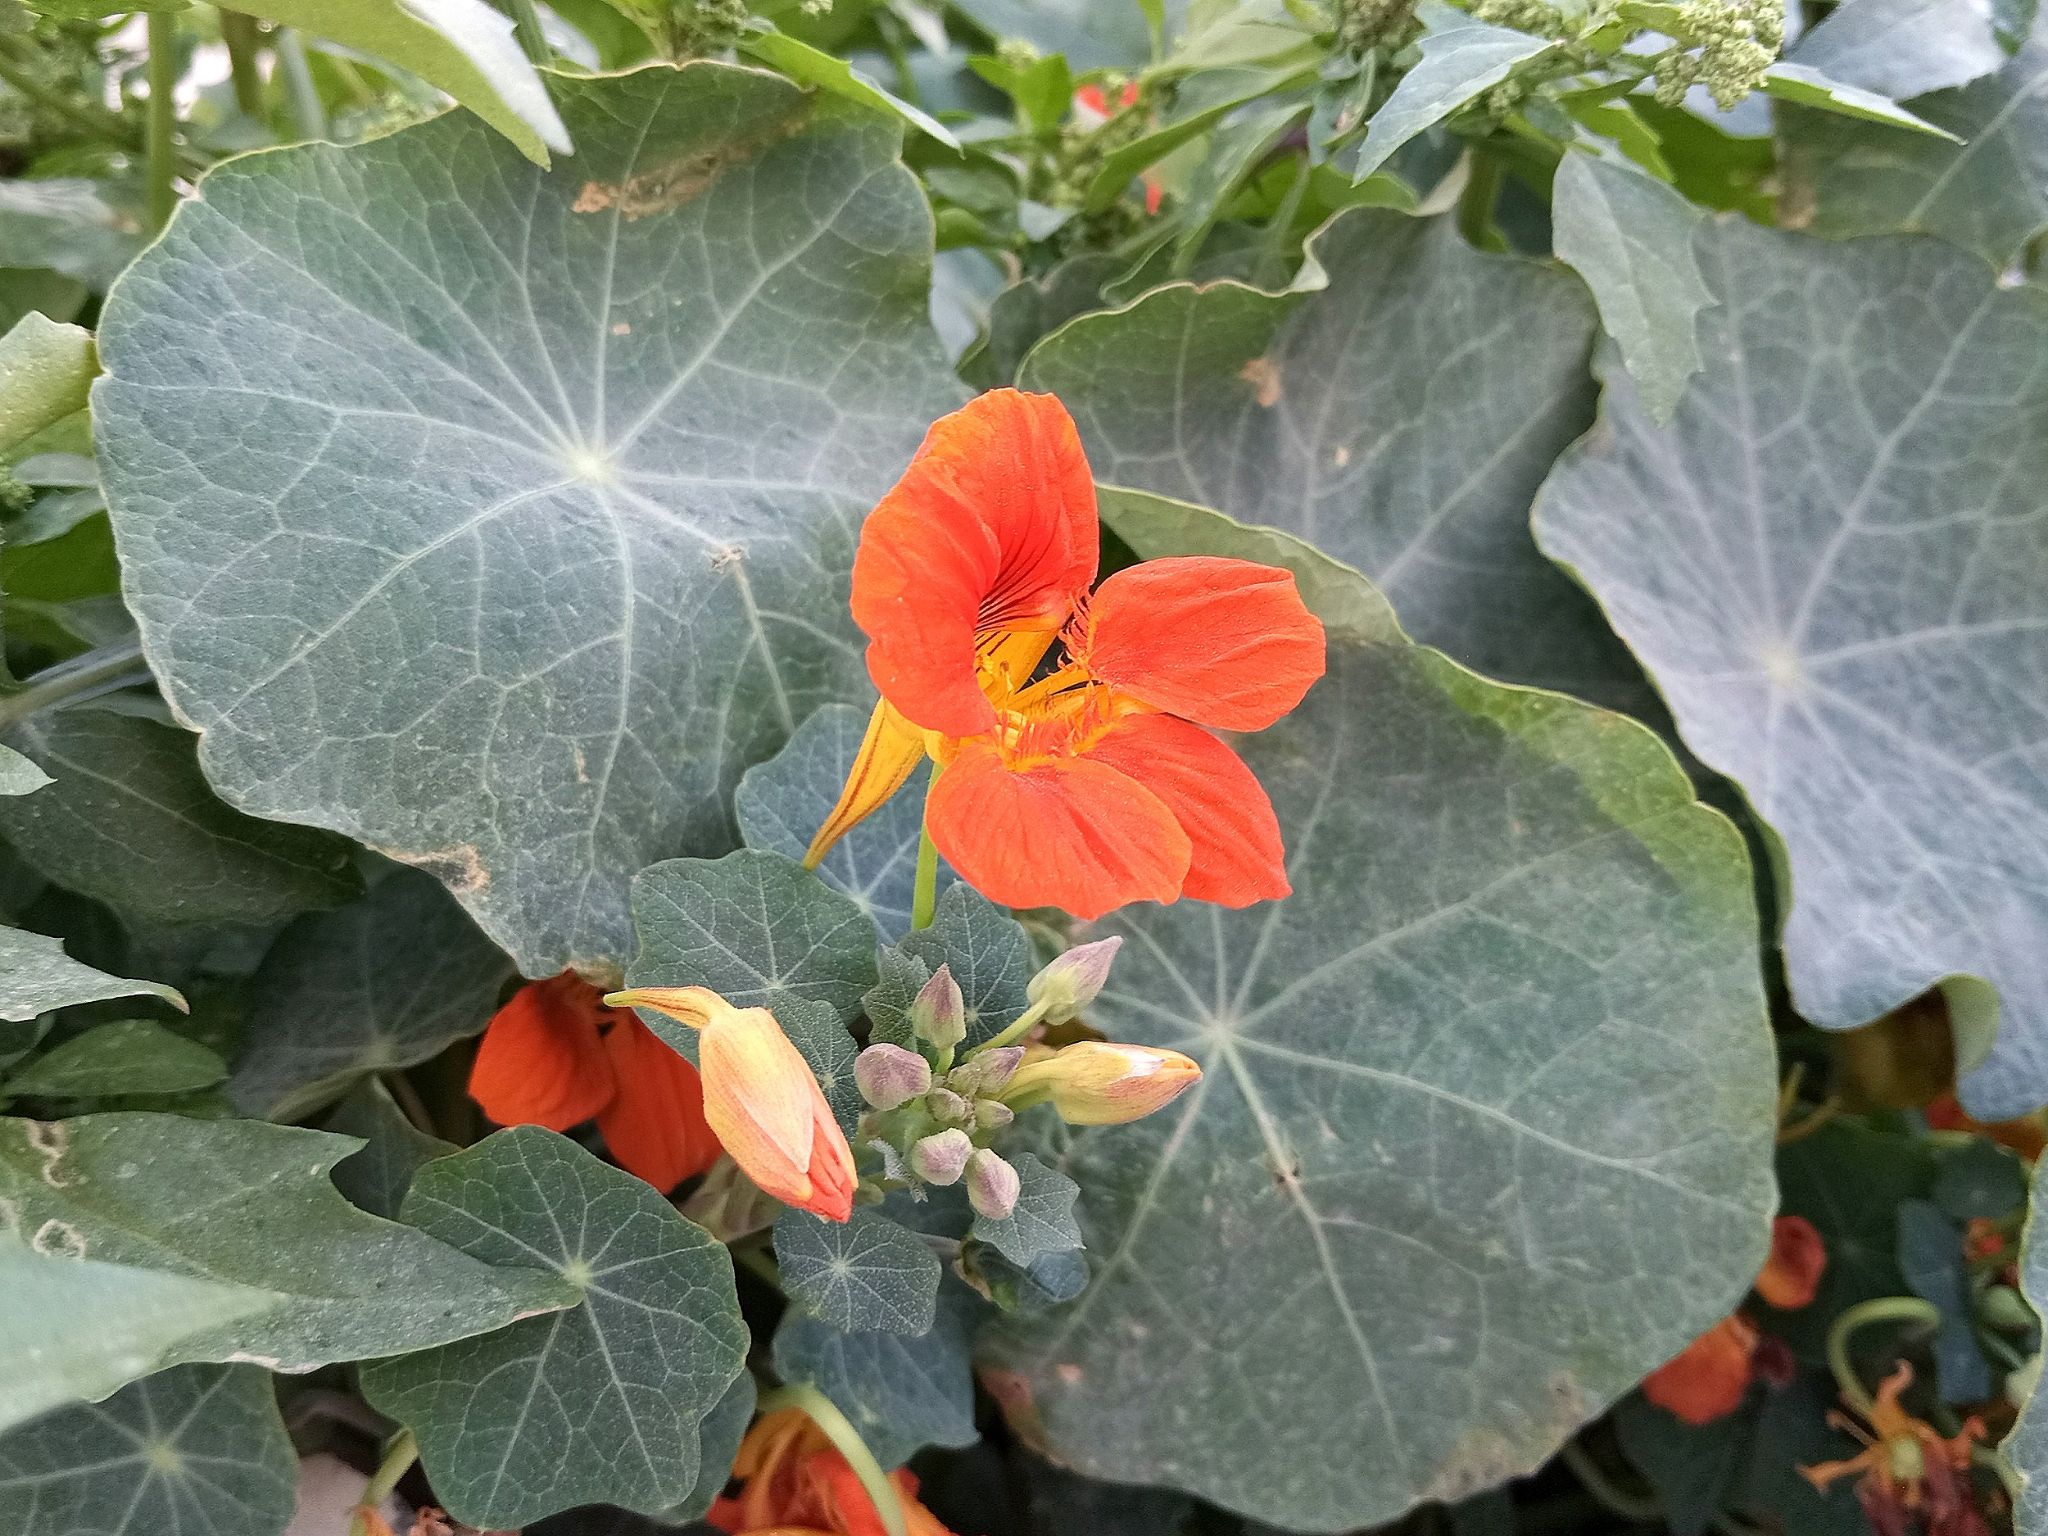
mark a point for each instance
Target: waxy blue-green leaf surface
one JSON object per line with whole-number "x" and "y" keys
{"x": 245, "y": 1206}
{"x": 1835, "y": 564}
{"x": 2026, "y": 1448}
{"x": 1462, "y": 58}
{"x": 1400, "y": 416}
{"x": 376, "y": 1175}
{"x": 1988, "y": 194}
{"x": 1496, "y": 1075}
{"x": 1903, "y": 48}
{"x": 862, "y": 1275}
{"x": 599, "y": 1403}
{"x": 383, "y": 983}
{"x": 198, "y": 1450}
{"x": 125, "y": 1056}
{"x": 500, "y": 518}
{"x": 36, "y": 976}
{"x": 1042, "y": 1221}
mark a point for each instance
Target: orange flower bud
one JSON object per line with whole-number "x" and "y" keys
{"x": 761, "y": 1099}
{"x": 1098, "y": 1082}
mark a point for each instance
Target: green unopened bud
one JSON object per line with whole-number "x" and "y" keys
{"x": 992, "y": 1114}
{"x": 941, "y": 1157}
{"x": 992, "y": 1185}
{"x": 889, "y": 1076}
{"x": 939, "y": 1013}
{"x": 986, "y": 1072}
{"x": 1073, "y": 981}
{"x": 944, "y": 1105}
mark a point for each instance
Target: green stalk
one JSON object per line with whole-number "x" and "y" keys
{"x": 527, "y": 28}
{"x": 162, "y": 137}
{"x": 924, "y": 898}
{"x": 1475, "y": 203}
{"x": 111, "y": 666}
{"x": 308, "y": 116}
{"x": 239, "y": 33}
{"x": 1885, "y": 1309}
{"x": 847, "y": 1441}
{"x": 398, "y": 1459}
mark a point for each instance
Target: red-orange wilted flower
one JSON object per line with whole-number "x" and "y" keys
{"x": 798, "y": 1485}
{"x": 1096, "y": 784}
{"x": 1908, "y": 1477}
{"x": 761, "y": 1099}
{"x": 556, "y": 1056}
{"x": 2027, "y": 1135}
{"x": 1707, "y": 1381}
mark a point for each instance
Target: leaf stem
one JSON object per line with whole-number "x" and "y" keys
{"x": 527, "y": 28}
{"x": 399, "y": 1456}
{"x": 308, "y": 116}
{"x": 847, "y": 1441}
{"x": 1013, "y": 1031}
{"x": 924, "y": 898}
{"x": 1885, "y": 1309}
{"x": 1475, "y": 203}
{"x": 161, "y": 140}
{"x": 111, "y": 666}
{"x": 1596, "y": 1482}
{"x": 239, "y": 33}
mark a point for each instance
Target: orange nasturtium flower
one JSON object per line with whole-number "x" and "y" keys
{"x": 761, "y": 1099}
{"x": 1708, "y": 1380}
{"x": 796, "y": 1484}
{"x": 556, "y": 1056}
{"x": 1908, "y": 1476}
{"x": 1096, "y": 783}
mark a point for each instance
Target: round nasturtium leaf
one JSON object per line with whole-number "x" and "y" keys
{"x": 499, "y": 517}
{"x": 1834, "y": 562}
{"x": 1485, "y": 1126}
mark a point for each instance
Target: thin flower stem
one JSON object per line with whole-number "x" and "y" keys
{"x": 162, "y": 136}
{"x": 751, "y": 1256}
{"x": 1014, "y": 1031}
{"x": 238, "y": 32}
{"x": 1629, "y": 1506}
{"x": 1885, "y": 1309}
{"x": 409, "y": 1101}
{"x": 526, "y": 26}
{"x": 308, "y": 116}
{"x": 111, "y": 666}
{"x": 1475, "y": 203}
{"x": 847, "y": 1441}
{"x": 924, "y": 898}
{"x": 398, "y": 1459}
{"x": 1806, "y": 1125}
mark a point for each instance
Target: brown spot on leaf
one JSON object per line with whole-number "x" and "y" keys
{"x": 1484, "y": 1458}
{"x": 1263, "y": 374}
{"x": 49, "y": 1140}
{"x": 460, "y": 868}
{"x": 666, "y": 187}
{"x": 622, "y": 329}
{"x": 56, "y": 1239}
{"x": 1013, "y": 1395}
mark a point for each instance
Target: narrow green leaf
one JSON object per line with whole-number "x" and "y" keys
{"x": 199, "y": 1450}
{"x": 383, "y": 983}
{"x": 242, "y": 1204}
{"x": 601, "y": 1402}
{"x": 1806, "y": 87}
{"x": 131, "y": 821}
{"x": 1462, "y": 58}
{"x": 863, "y": 1275}
{"x": 1043, "y": 1222}
{"x": 1880, "y": 739}
{"x": 757, "y": 928}
{"x": 18, "y": 775}
{"x": 463, "y": 47}
{"x": 37, "y": 977}
{"x": 813, "y": 66}
{"x": 45, "y": 371}
{"x": 1630, "y": 237}
{"x": 128, "y": 1056}
{"x": 1509, "y": 914}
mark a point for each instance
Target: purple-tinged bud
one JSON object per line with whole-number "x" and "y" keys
{"x": 944, "y": 1105}
{"x": 1073, "y": 981}
{"x": 992, "y": 1185}
{"x": 939, "y": 1013}
{"x": 985, "y": 1071}
{"x": 940, "y": 1157}
{"x": 992, "y": 1115}
{"x": 889, "y": 1076}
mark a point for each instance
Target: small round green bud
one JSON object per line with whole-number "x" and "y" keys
{"x": 944, "y": 1105}
{"x": 941, "y": 1157}
{"x": 939, "y": 1013}
{"x": 1074, "y": 980}
{"x": 992, "y": 1114}
{"x": 889, "y": 1076}
{"x": 992, "y": 1185}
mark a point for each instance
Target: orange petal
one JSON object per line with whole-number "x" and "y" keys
{"x": 889, "y": 753}
{"x": 991, "y": 528}
{"x": 655, "y": 1125}
{"x": 1237, "y": 856}
{"x": 1792, "y": 1273}
{"x": 1708, "y": 1380}
{"x": 542, "y": 1061}
{"x": 1227, "y": 643}
{"x": 838, "y": 1489}
{"x": 1069, "y": 833}
{"x": 763, "y": 1102}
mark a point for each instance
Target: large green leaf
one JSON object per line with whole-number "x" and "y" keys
{"x": 601, "y": 1402}
{"x": 1903, "y": 48}
{"x": 863, "y": 1275}
{"x": 245, "y": 1206}
{"x": 1400, "y": 417}
{"x": 1401, "y": 1239}
{"x": 36, "y": 976}
{"x": 125, "y": 1056}
{"x": 1835, "y": 564}
{"x": 77, "y": 1330}
{"x": 501, "y": 518}
{"x": 1989, "y": 193}
{"x": 194, "y": 1451}
{"x": 377, "y": 1176}
{"x": 45, "y": 371}
{"x": 2027, "y": 1446}
{"x": 129, "y": 820}
{"x": 383, "y": 983}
